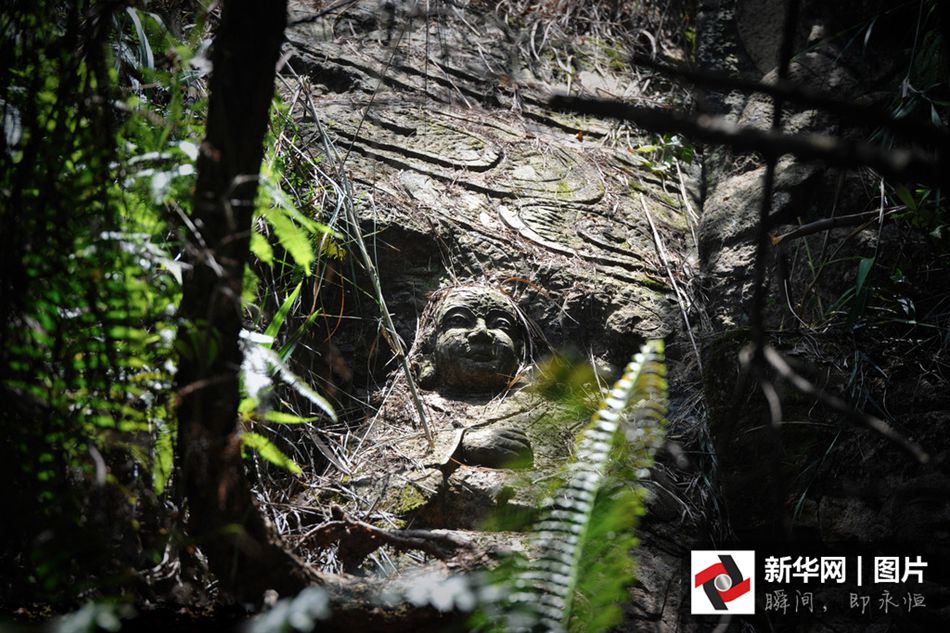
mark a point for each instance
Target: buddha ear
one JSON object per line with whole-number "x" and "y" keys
{"x": 425, "y": 373}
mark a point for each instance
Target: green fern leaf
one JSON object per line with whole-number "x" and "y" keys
{"x": 596, "y": 507}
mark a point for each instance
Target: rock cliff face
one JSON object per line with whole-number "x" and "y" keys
{"x": 464, "y": 174}
{"x": 461, "y": 174}
{"x": 822, "y": 479}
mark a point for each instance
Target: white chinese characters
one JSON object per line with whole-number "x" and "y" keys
{"x": 833, "y": 569}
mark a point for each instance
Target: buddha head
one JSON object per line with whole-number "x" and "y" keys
{"x": 477, "y": 341}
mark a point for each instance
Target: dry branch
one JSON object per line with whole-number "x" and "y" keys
{"x": 359, "y": 539}
{"x": 901, "y": 164}
{"x": 826, "y": 224}
{"x": 780, "y": 365}
{"x": 855, "y": 113}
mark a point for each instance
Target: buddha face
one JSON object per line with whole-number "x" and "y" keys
{"x": 478, "y": 340}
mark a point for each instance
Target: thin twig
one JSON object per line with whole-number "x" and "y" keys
{"x": 897, "y": 163}
{"x": 794, "y": 93}
{"x": 780, "y": 365}
{"x": 827, "y": 224}
{"x": 390, "y": 333}
{"x": 692, "y": 219}
{"x": 661, "y": 252}
{"x": 368, "y": 537}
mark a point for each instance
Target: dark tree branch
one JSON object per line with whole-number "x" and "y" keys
{"x": 359, "y": 539}
{"x": 827, "y": 224}
{"x": 760, "y": 281}
{"x": 855, "y": 113}
{"x": 760, "y": 285}
{"x": 901, "y": 164}
{"x": 222, "y": 516}
{"x": 781, "y": 366}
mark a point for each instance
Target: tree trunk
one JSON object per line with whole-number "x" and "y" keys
{"x": 222, "y": 516}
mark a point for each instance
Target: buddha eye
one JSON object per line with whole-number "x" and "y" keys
{"x": 502, "y": 322}
{"x": 457, "y": 319}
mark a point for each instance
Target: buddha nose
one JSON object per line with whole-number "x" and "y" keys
{"x": 480, "y": 332}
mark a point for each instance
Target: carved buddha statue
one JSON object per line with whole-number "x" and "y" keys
{"x": 477, "y": 349}
{"x": 479, "y": 340}
{"x": 490, "y": 434}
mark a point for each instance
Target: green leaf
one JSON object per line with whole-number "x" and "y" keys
{"x": 293, "y": 238}
{"x": 267, "y": 450}
{"x": 312, "y": 226}
{"x": 864, "y": 269}
{"x": 333, "y": 250}
{"x": 249, "y": 287}
{"x": 127, "y": 333}
{"x": 860, "y": 289}
{"x": 247, "y": 406}
{"x": 261, "y": 248}
{"x": 163, "y": 461}
{"x": 294, "y": 338}
{"x": 906, "y": 197}
{"x": 286, "y": 418}
{"x": 274, "y": 327}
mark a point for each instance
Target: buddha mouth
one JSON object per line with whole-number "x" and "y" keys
{"x": 481, "y": 354}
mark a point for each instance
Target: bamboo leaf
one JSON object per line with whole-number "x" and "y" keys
{"x": 145, "y": 49}
{"x": 163, "y": 461}
{"x": 291, "y": 344}
{"x": 293, "y": 238}
{"x": 261, "y": 248}
{"x": 274, "y": 327}
{"x": 267, "y": 450}
{"x": 260, "y": 362}
{"x": 280, "y": 417}
{"x": 303, "y": 388}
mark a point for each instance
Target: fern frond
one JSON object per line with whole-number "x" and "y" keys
{"x": 614, "y": 450}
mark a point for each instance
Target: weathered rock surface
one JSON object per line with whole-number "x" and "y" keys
{"x": 818, "y": 480}
{"x": 488, "y": 182}
{"x": 462, "y": 174}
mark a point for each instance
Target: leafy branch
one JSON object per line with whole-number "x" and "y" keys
{"x": 615, "y": 451}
